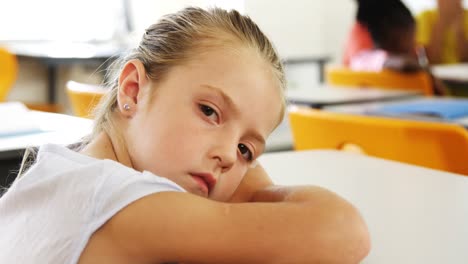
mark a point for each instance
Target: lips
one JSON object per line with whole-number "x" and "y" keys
{"x": 204, "y": 180}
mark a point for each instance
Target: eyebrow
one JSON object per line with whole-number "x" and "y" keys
{"x": 230, "y": 103}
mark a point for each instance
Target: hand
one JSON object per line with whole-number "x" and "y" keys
{"x": 402, "y": 63}
{"x": 450, "y": 11}
{"x": 438, "y": 86}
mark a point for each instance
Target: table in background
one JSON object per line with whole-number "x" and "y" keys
{"x": 414, "y": 214}
{"x": 54, "y": 54}
{"x": 451, "y": 72}
{"x": 281, "y": 139}
{"x": 319, "y": 60}
{"x": 54, "y": 128}
{"x": 455, "y": 76}
{"x": 327, "y": 95}
{"x": 371, "y": 108}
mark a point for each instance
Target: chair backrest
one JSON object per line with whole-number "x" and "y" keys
{"x": 8, "y": 72}
{"x": 84, "y": 97}
{"x": 387, "y": 79}
{"x": 435, "y": 145}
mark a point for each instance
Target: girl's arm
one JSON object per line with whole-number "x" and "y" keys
{"x": 256, "y": 179}
{"x": 300, "y": 225}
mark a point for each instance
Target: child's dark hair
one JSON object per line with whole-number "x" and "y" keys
{"x": 364, "y": 10}
{"x": 384, "y": 17}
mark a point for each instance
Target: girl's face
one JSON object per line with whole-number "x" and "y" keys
{"x": 207, "y": 121}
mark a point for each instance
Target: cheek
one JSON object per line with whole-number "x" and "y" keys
{"x": 157, "y": 147}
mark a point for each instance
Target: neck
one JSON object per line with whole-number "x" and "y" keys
{"x": 108, "y": 146}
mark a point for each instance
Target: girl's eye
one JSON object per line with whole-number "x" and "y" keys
{"x": 209, "y": 112}
{"x": 245, "y": 151}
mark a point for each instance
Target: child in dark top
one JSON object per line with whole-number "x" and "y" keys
{"x": 392, "y": 29}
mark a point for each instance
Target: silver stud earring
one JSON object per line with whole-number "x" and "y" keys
{"x": 126, "y": 107}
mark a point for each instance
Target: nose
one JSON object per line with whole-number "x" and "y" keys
{"x": 225, "y": 155}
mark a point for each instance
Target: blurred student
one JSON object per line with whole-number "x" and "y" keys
{"x": 359, "y": 38}
{"x": 444, "y": 32}
{"x": 392, "y": 29}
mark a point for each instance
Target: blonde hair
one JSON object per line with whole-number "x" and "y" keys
{"x": 175, "y": 38}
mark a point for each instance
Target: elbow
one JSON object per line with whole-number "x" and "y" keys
{"x": 344, "y": 240}
{"x": 356, "y": 244}
{"x": 347, "y": 238}
{"x": 362, "y": 246}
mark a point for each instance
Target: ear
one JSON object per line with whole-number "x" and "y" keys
{"x": 132, "y": 81}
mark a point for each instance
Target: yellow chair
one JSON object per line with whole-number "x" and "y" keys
{"x": 8, "y": 72}
{"x": 84, "y": 97}
{"x": 386, "y": 79}
{"x": 435, "y": 145}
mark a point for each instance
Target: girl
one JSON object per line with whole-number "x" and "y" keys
{"x": 192, "y": 104}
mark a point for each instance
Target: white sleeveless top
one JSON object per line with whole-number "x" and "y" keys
{"x": 49, "y": 214}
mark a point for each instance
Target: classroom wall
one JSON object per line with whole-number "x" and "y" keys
{"x": 302, "y": 27}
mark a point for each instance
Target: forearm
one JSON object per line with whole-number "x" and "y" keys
{"x": 434, "y": 47}
{"x": 330, "y": 228}
{"x": 343, "y": 234}
{"x": 461, "y": 40}
{"x": 402, "y": 63}
{"x": 462, "y": 48}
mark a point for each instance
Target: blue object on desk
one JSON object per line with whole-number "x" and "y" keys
{"x": 20, "y": 133}
{"x": 441, "y": 108}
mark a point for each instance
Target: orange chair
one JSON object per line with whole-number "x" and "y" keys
{"x": 84, "y": 97}
{"x": 386, "y": 79}
{"x": 8, "y": 72}
{"x": 435, "y": 145}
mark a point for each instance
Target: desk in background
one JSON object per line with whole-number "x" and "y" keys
{"x": 414, "y": 214}
{"x": 326, "y": 95}
{"x": 281, "y": 139}
{"x": 451, "y": 72}
{"x": 54, "y": 54}
{"x": 455, "y": 76}
{"x": 319, "y": 60}
{"x": 372, "y": 108}
{"x": 53, "y": 128}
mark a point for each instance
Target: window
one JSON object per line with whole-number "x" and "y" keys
{"x": 84, "y": 20}
{"x": 88, "y": 20}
